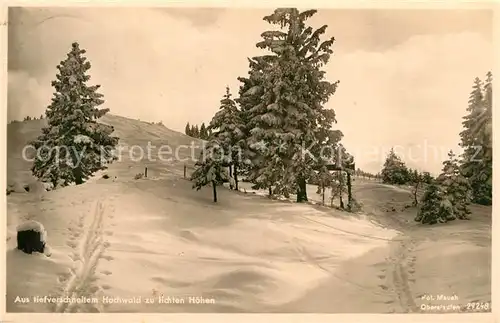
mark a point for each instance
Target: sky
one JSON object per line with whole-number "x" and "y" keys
{"x": 405, "y": 75}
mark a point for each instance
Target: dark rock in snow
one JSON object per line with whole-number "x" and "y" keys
{"x": 31, "y": 237}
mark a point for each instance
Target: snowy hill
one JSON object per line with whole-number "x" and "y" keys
{"x": 131, "y": 132}
{"x": 117, "y": 243}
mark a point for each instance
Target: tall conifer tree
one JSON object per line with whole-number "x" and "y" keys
{"x": 73, "y": 145}
{"x": 289, "y": 124}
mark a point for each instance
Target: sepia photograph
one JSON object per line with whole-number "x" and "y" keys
{"x": 249, "y": 160}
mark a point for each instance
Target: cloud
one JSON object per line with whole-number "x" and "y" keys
{"x": 26, "y": 96}
{"x": 154, "y": 66}
{"x": 199, "y": 17}
{"x": 412, "y": 95}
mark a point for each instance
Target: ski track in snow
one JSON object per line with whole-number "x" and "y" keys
{"x": 89, "y": 246}
{"x": 395, "y": 287}
{"x": 401, "y": 273}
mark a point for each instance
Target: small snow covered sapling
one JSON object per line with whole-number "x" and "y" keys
{"x": 324, "y": 180}
{"x": 227, "y": 128}
{"x": 209, "y": 170}
{"x": 435, "y": 206}
{"x": 456, "y": 188}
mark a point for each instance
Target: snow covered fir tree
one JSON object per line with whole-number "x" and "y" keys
{"x": 448, "y": 197}
{"x": 274, "y": 133}
{"x": 467, "y": 179}
{"x": 434, "y": 207}
{"x": 227, "y": 129}
{"x": 324, "y": 180}
{"x": 282, "y": 102}
{"x": 394, "y": 170}
{"x": 248, "y": 179}
{"x": 476, "y": 140}
{"x": 74, "y": 145}
{"x": 201, "y": 132}
{"x": 457, "y": 188}
{"x": 279, "y": 126}
{"x": 210, "y": 169}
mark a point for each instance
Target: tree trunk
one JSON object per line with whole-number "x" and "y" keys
{"x": 236, "y": 177}
{"x": 54, "y": 183}
{"x": 77, "y": 173}
{"x": 301, "y": 190}
{"x": 349, "y": 191}
{"x": 332, "y": 196}
{"x": 77, "y": 169}
{"x": 323, "y": 194}
{"x": 230, "y": 177}
{"x": 341, "y": 188}
{"x": 146, "y": 171}
{"x": 270, "y": 192}
{"x": 214, "y": 188}
{"x": 185, "y": 170}
{"x": 415, "y": 199}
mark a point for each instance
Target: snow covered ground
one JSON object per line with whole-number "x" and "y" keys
{"x": 156, "y": 245}
{"x": 146, "y": 237}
